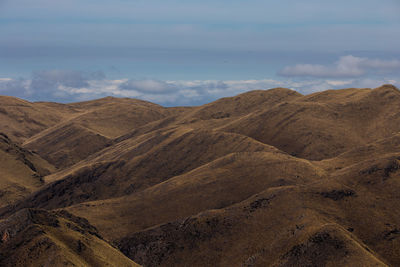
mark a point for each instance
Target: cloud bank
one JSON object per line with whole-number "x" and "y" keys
{"x": 345, "y": 67}
{"x": 70, "y": 86}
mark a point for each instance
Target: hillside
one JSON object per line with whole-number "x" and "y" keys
{"x": 22, "y": 119}
{"x": 243, "y": 104}
{"x": 42, "y": 238}
{"x": 264, "y": 178}
{"x": 325, "y": 124}
{"x": 21, "y": 171}
{"x": 218, "y": 184}
{"x": 113, "y": 174}
{"x": 100, "y": 121}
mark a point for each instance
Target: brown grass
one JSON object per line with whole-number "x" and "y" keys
{"x": 265, "y": 178}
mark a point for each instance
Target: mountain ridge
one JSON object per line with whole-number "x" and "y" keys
{"x": 264, "y": 178}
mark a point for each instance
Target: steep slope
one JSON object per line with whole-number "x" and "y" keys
{"x": 112, "y": 117}
{"x": 243, "y": 104}
{"x": 218, "y": 184}
{"x": 383, "y": 147}
{"x": 345, "y": 219}
{"x": 109, "y": 118}
{"x": 278, "y": 227}
{"x": 136, "y": 164}
{"x": 267, "y": 178}
{"x": 218, "y": 113}
{"x": 374, "y": 217}
{"x": 67, "y": 144}
{"x": 323, "y": 125}
{"x": 21, "y": 119}
{"x": 21, "y": 171}
{"x": 42, "y": 238}
{"x": 103, "y": 120}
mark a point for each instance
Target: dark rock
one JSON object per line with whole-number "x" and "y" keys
{"x": 338, "y": 194}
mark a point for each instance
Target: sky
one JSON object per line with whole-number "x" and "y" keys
{"x": 176, "y": 52}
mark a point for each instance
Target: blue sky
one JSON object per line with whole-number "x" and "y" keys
{"x": 191, "y": 52}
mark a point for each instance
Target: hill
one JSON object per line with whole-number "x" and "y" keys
{"x": 325, "y": 124}
{"x": 22, "y": 119}
{"x": 243, "y": 104}
{"x": 42, "y": 238}
{"x": 218, "y": 184}
{"x": 113, "y": 173}
{"x": 100, "y": 121}
{"x": 21, "y": 171}
{"x": 265, "y": 178}
{"x": 279, "y": 231}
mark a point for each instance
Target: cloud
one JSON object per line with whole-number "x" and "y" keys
{"x": 15, "y": 87}
{"x": 71, "y": 86}
{"x": 52, "y": 79}
{"x": 192, "y": 92}
{"x": 346, "y": 66}
{"x": 148, "y": 86}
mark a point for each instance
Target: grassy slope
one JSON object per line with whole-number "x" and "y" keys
{"x": 42, "y": 238}
{"x": 325, "y": 124}
{"x": 21, "y": 171}
{"x": 142, "y": 164}
{"x": 98, "y": 123}
{"x": 192, "y": 186}
{"x": 218, "y": 184}
{"x": 357, "y": 201}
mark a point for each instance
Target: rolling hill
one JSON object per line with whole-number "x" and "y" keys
{"x": 21, "y": 171}
{"x": 100, "y": 121}
{"x": 22, "y": 119}
{"x": 43, "y": 238}
{"x": 325, "y": 124}
{"x": 265, "y": 178}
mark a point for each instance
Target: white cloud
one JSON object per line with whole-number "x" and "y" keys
{"x": 346, "y": 66}
{"x": 58, "y": 86}
{"x": 187, "y": 92}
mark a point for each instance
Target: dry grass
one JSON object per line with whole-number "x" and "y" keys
{"x": 265, "y": 178}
